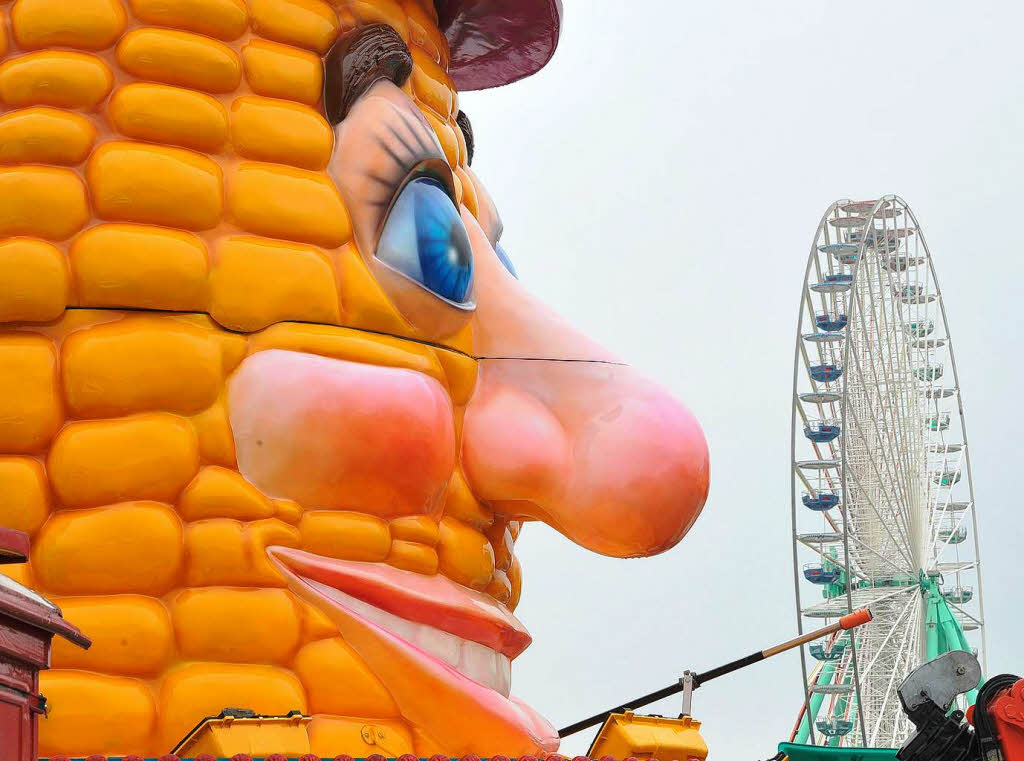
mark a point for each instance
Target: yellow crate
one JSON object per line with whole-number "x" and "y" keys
{"x": 244, "y": 732}
{"x": 645, "y": 737}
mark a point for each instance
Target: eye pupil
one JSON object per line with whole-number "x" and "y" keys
{"x": 424, "y": 239}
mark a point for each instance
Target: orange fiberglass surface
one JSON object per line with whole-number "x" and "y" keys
{"x": 273, "y": 405}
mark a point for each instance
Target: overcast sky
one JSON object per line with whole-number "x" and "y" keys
{"x": 660, "y": 183}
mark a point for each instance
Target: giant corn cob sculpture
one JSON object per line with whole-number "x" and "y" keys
{"x": 273, "y": 406}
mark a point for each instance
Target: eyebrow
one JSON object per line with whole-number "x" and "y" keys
{"x": 359, "y": 59}
{"x": 467, "y": 132}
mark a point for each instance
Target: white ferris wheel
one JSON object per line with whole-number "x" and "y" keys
{"x": 883, "y": 502}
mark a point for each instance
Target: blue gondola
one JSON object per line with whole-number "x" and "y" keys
{"x": 835, "y": 653}
{"x": 825, "y": 373}
{"x": 821, "y": 432}
{"x": 839, "y": 277}
{"x": 817, "y": 574}
{"x": 834, "y": 727}
{"x": 825, "y": 321}
{"x": 843, "y": 252}
{"x": 821, "y": 501}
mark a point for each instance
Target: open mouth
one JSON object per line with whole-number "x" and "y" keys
{"x": 419, "y": 633}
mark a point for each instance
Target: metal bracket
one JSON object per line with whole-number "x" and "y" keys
{"x": 940, "y": 680}
{"x": 687, "y": 682}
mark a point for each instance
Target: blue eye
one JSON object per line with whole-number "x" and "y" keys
{"x": 505, "y": 260}
{"x": 425, "y": 240}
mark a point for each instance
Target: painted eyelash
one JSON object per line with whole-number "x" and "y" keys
{"x": 417, "y": 151}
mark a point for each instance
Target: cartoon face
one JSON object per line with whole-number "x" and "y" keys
{"x": 274, "y": 405}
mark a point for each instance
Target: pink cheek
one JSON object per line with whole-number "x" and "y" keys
{"x": 342, "y": 435}
{"x": 514, "y": 448}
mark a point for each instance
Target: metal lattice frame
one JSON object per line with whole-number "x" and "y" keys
{"x": 900, "y": 467}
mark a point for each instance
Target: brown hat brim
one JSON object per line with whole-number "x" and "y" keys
{"x": 495, "y": 42}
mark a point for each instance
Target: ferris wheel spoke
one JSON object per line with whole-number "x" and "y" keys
{"x": 885, "y": 413}
{"x": 901, "y": 524}
{"x": 904, "y": 546}
{"x": 894, "y": 661}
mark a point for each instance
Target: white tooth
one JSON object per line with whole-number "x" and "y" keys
{"x": 477, "y": 662}
{"x": 503, "y": 682}
{"x": 441, "y": 645}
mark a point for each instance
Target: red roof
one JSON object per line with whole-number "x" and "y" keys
{"x": 23, "y": 604}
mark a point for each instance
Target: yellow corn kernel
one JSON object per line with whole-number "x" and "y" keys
{"x": 45, "y": 136}
{"x": 446, "y": 136}
{"x": 135, "y": 182}
{"x": 415, "y": 528}
{"x": 413, "y": 556}
{"x": 35, "y": 281}
{"x": 222, "y": 493}
{"x": 465, "y": 554}
{"x": 96, "y": 462}
{"x": 313, "y": 214}
{"x": 460, "y": 372}
{"x": 500, "y": 588}
{"x": 281, "y": 71}
{"x": 310, "y": 24}
{"x": 140, "y": 363}
{"x": 460, "y": 503}
{"x": 430, "y": 83}
{"x": 165, "y": 114}
{"x": 139, "y": 266}
{"x": 255, "y": 282}
{"x": 274, "y": 130}
{"x": 130, "y": 547}
{"x": 350, "y": 536}
{"x": 423, "y": 31}
{"x": 88, "y": 24}
{"x": 55, "y": 78}
{"x": 72, "y": 697}
{"x": 30, "y": 407}
{"x": 216, "y": 442}
{"x": 237, "y": 625}
{"x": 179, "y": 58}
{"x": 131, "y": 635}
{"x": 41, "y": 201}
{"x": 25, "y": 504}
{"x": 324, "y": 665}
{"x": 381, "y": 12}
{"x": 224, "y": 19}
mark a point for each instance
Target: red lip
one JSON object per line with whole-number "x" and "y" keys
{"x": 432, "y": 600}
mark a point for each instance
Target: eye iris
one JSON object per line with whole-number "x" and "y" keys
{"x": 424, "y": 238}
{"x": 442, "y": 243}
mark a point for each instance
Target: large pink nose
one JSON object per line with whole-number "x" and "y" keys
{"x": 559, "y": 430}
{"x": 593, "y": 449}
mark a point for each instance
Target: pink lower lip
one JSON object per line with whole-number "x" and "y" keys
{"x": 450, "y": 707}
{"x": 432, "y": 600}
